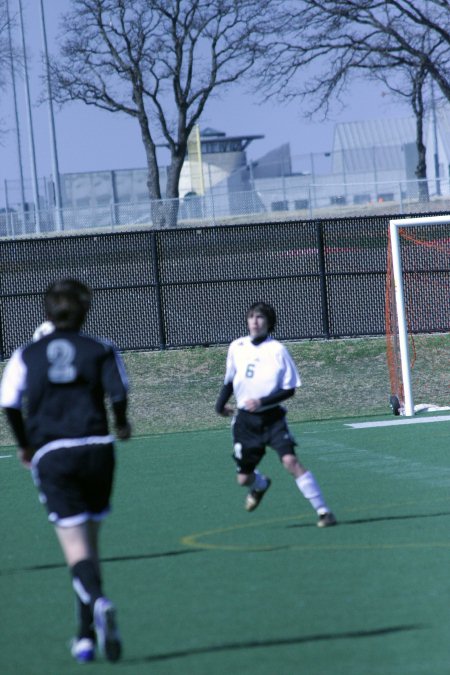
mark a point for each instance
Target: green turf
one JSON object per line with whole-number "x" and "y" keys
{"x": 203, "y": 587}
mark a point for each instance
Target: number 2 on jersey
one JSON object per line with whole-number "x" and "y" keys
{"x": 61, "y": 355}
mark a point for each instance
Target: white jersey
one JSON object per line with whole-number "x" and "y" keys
{"x": 259, "y": 370}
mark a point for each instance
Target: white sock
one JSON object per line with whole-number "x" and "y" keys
{"x": 310, "y": 489}
{"x": 260, "y": 482}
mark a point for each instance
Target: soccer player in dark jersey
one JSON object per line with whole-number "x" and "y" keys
{"x": 63, "y": 436}
{"x": 261, "y": 374}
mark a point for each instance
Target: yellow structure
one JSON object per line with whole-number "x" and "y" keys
{"x": 195, "y": 161}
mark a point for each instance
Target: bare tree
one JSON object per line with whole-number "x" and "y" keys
{"x": 5, "y": 23}
{"x": 409, "y": 85}
{"x": 328, "y": 43}
{"x": 9, "y": 55}
{"x": 158, "y": 61}
{"x": 349, "y": 36}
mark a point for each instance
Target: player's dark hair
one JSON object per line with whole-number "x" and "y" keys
{"x": 266, "y": 310}
{"x": 67, "y": 302}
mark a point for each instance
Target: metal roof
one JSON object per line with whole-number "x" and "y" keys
{"x": 369, "y": 145}
{"x": 374, "y": 133}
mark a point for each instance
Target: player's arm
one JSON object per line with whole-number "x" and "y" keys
{"x": 11, "y": 392}
{"x": 227, "y": 389}
{"x": 115, "y": 381}
{"x": 15, "y": 419}
{"x": 224, "y": 396}
{"x": 277, "y": 396}
{"x": 271, "y": 400}
{"x": 123, "y": 427}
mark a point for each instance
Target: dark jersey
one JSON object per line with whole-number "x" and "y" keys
{"x": 62, "y": 380}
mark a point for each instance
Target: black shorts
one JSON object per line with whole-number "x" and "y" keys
{"x": 75, "y": 483}
{"x": 253, "y": 432}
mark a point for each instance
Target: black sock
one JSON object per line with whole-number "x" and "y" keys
{"x": 86, "y": 582}
{"x": 85, "y": 620}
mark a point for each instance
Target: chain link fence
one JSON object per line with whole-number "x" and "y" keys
{"x": 168, "y": 288}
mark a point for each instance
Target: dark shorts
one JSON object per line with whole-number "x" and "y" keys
{"x": 75, "y": 483}
{"x": 253, "y": 432}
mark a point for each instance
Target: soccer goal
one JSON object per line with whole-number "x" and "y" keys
{"x": 417, "y": 302}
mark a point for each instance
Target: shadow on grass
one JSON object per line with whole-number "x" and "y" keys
{"x": 119, "y": 558}
{"x": 262, "y": 644}
{"x": 378, "y": 519}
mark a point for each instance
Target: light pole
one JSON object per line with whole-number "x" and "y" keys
{"x": 435, "y": 140}
{"x": 54, "y": 149}
{"x": 30, "y": 127}
{"x": 16, "y": 118}
{"x": 433, "y": 119}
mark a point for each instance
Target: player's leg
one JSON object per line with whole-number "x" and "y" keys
{"x": 79, "y": 544}
{"x": 284, "y": 443}
{"x": 75, "y": 543}
{"x": 97, "y": 614}
{"x": 75, "y": 484}
{"x": 310, "y": 489}
{"x": 248, "y": 451}
{"x": 247, "y": 475}
{"x": 98, "y": 493}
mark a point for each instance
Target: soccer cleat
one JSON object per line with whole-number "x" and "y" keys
{"x": 83, "y": 650}
{"x": 108, "y": 638}
{"x": 395, "y": 404}
{"x": 326, "y": 520}
{"x": 254, "y": 497}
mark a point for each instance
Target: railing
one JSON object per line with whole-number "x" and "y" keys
{"x": 286, "y": 199}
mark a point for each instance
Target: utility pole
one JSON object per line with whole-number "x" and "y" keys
{"x": 16, "y": 119}
{"x": 435, "y": 140}
{"x": 30, "y": 128}
{"x": 54, "y": 149}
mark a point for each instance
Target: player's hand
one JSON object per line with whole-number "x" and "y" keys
{"x": 227, "y": 411}
{"x": 123, "y": 433}
{"x": 25, "y": 455}
{"x": 252, "y": 404}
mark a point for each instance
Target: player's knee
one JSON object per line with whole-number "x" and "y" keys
{"x": 244, "y": 478}
{"x": 290, "y": 463}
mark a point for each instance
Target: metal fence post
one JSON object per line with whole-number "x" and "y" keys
{"x": 322, "y": 280}
{"x": 157, "y": 282}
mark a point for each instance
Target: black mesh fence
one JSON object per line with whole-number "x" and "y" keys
{"x": 170, "y": 288}
{"x": 426, "y": 264}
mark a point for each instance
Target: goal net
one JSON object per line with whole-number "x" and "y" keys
{"x": 418, "y": 313}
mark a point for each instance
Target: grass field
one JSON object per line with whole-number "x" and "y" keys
{"x": 203, "y": 587}
{"x": 175, "y": 390}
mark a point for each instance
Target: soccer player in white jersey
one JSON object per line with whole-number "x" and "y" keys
{"x": 261, "y": 374}
{"x": 63, "y": 436}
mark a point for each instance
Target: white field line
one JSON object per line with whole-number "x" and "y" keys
{"x": 394, "y": 423}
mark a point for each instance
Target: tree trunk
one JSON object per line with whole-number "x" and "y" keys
{"x": 421, "y": 168}
{"x": 161, "y": 215}
{"x": 172, "y": 186}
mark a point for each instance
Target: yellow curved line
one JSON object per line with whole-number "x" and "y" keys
{"x": 192, "y": 540}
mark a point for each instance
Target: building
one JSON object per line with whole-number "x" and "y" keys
{"x": 371, "y": 163}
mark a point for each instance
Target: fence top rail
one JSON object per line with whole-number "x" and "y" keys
{"x": 125, "y": 230}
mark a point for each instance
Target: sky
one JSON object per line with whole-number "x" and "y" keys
{"x": 89, "y": 139}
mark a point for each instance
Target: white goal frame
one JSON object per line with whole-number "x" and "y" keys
{"x": 397, "y": 269}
